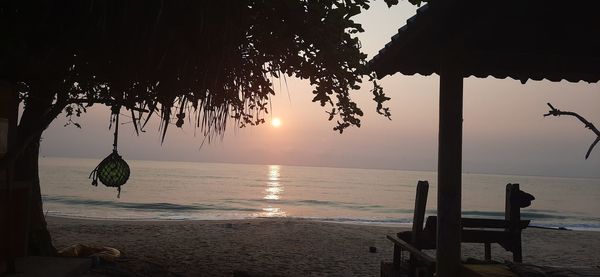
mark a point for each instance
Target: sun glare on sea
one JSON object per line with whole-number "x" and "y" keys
{"x": 276, "y": 122}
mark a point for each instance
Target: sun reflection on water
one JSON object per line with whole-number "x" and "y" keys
{"x": 273, "y": 193}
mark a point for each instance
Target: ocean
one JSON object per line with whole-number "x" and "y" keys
{"x": 164, "y": 190}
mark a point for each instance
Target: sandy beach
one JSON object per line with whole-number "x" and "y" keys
{"x": 284, "y": 247}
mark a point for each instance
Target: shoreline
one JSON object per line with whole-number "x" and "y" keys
{"x": 285, "y": 247}
{"x": 150, "y": 220}
{"x": 349, "y": 222}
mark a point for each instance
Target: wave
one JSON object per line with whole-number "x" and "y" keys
{"x": 256, "y": 205}
{"x": 524, "y": 215}
{"x": 143, "y": 206}
{"x": 253, "y": 208}
{"x": 312, "y": 202}
{"x": 532, "y": 215}
{"x": 402, "y": 221}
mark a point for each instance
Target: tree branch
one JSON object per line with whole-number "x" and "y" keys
{"x": 592, "y": 147}
{"x": 107, "y": 102}
{"x": 37, "y": 129}
{"x": 556, "y": 112}
{"x": 45, "y": 121}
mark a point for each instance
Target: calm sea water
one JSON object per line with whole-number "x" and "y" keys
{"x": 181, "y": 190}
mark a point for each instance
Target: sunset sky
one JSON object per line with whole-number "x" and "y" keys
{"x": 504, "y": 130}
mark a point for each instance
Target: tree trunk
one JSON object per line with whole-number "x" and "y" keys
{"x": 26, "y": 170}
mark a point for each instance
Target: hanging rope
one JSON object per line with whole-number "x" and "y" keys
{"x": 113, "y": 171}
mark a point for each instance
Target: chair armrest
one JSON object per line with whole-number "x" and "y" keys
{"x": 420, "y": 255}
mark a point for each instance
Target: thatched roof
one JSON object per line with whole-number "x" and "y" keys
{"x": 523, "y": 40}
{"x": 552, "y": 40}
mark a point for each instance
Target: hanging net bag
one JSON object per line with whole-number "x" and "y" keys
{"x": 113, "y": 171}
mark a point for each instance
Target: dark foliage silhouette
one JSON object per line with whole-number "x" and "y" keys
{"x": 206, "y": 61}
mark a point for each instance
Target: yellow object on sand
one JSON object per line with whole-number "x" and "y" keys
{"x": 81, "y": 250}
{"x": 488, "y": 270}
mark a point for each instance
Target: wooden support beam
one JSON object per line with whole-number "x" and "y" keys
{"x": 449, "y": 170}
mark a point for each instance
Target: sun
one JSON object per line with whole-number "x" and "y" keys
{"x": 276, "y": 122}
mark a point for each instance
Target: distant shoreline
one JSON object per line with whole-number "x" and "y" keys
{"x": 337, "y": 167}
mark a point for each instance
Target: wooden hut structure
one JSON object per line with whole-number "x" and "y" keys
{"x": 533, "y": 39}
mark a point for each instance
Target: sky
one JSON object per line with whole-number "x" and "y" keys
{"x": 504, "y": 130}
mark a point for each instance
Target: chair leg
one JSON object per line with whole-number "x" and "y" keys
{"x": 517, "y": 254}
{"x": 423, "y": 272}
{"x": 397, "y": 261}
{"x": 488, "y": 251}
{"x": 11, "y": 267}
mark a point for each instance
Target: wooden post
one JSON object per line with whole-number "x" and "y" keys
{"x": 513, "y": 215}
{"x": 449, "y": 170}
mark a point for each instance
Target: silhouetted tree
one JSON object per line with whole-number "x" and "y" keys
{"x": 210, "y": 61}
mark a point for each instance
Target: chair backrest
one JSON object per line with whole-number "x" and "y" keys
{"x": 472, "y": 231}
{"x": 515, "y": 200}
{"x": 512, "y": 211}
{"x": 419, "y": 213}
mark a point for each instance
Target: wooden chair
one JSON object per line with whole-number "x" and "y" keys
{"x": 505, "y": 232}
{"x": 419, "y": 263}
